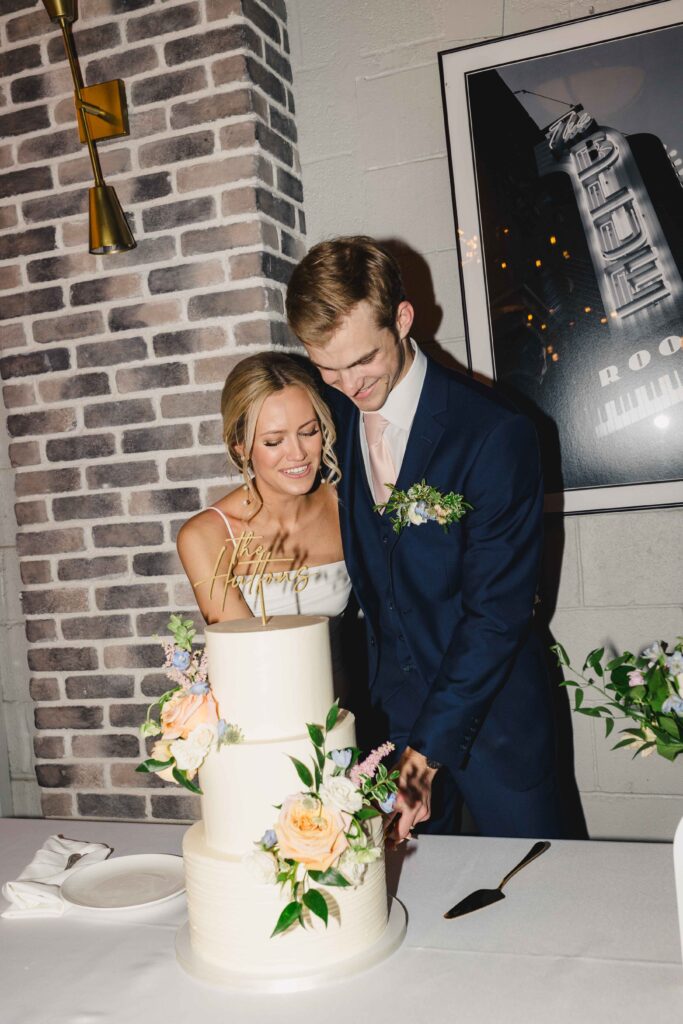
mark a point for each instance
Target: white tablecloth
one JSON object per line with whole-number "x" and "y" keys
{"x": 587, "y": 933}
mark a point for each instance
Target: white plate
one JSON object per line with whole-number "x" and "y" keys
{"x": 125, "y": 883}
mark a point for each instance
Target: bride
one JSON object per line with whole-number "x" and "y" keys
{"x": 279, "y": 434}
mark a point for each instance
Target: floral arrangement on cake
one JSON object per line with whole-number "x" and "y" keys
{"x": 645, "y": 688}
{"x": 187, "y": 717}
{"x": 321, "y": 837}
{"x": 422, "y": 503}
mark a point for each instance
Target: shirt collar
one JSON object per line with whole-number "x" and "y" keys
{"x": 401, "y": 404}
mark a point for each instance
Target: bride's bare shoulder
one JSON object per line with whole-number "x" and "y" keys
{"x": 208, "y": 526}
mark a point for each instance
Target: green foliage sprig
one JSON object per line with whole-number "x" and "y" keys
{"x": 365, "y": 784}
{"x": 422, "y": 503}
{"x": 646, "y": 689}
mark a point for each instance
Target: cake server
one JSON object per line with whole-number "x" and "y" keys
{"x": 484, "y": 897}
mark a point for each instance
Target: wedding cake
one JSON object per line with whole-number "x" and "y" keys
{"x": 270, "y": 679}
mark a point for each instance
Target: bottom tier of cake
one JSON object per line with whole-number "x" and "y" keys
{"x": 232, "y": 915}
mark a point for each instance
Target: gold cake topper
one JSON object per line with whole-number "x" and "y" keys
{"x": 261, "y": 558}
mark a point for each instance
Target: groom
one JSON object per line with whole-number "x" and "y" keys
{"x": 456, "y": 674}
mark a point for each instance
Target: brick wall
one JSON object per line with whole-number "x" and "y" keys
{"x": 112, "y": 366}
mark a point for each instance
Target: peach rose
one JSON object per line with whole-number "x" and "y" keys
{"x": 185, "y": 711}
{"x": 311, "y": 833}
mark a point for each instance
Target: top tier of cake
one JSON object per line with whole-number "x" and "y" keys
{"x": 270, "y": 680}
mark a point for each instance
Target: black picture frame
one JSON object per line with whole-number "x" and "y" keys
{"x": 568, "y": 204}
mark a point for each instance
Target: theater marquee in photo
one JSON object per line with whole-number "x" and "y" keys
{"x": 566, "y": 153}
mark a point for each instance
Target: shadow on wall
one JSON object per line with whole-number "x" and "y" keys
{"x": 419, "y": 290}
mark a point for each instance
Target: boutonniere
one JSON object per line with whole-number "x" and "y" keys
{"x": 423, "y": 504}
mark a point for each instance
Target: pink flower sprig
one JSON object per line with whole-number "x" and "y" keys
{"x": 371, "y": 763}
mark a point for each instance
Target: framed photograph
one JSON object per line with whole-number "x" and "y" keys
{"x": 566, "y": 157}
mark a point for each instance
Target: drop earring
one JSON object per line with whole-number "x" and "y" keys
{"x": 246, "y": 500}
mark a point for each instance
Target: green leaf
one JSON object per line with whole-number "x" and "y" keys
{"x": 150, "y": 765}
{"x": 316, "y": 734}
{"x": 669, "y": 750}
{"x": 609, "y": 725}
{"x": 624, "y": 743}
{"x": 183, "y": 780}
{"x": 320, "y": 758}
{"x": 562, "y": 656}
{"x": 578, "y": 699}
{"x": 302, "y": 771}
{"x": 594, "y": 660}
{"x": 366, "y": 812}
{"x": 568, "y": 682}
{"x": 621, "y": 660}
{"x": 289, "y": 916}
{"x": 318, "y": 778}
{"x": 621, "y": 674}
{"x": 317, "y": 904}
{"x": 669, "y": 725}
{"x": 329, "y": 877}
{"x": 332, "y": 716}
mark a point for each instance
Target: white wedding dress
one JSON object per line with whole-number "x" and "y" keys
{"x": 326, "y": 593}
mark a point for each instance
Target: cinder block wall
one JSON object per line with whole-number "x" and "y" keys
{"x": 373, "y": 155}
{"x": 112, "y": 366}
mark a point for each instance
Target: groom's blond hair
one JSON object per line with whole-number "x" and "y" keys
{"x": 333, "y": 278}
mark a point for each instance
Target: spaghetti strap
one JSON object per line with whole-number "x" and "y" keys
{"x": 221, "y": 513}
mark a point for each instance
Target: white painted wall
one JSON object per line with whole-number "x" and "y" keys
{"x": 373, "y": 156}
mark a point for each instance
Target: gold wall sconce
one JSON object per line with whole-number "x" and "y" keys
{"x": 102, "y": 114}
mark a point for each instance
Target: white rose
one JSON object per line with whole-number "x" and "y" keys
{"x": 190, "y": 753}
{"x": 341, "y": 794}
{"x": 415, "y": 518}
{"x": 188, "y": 756}
{"x": 203, "y": 737}
{"x": 351, "y": 869}
{"x": 261, "y": 866}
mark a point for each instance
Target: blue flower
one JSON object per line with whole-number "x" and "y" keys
{"x": 342, "y": 758}
{"x": 674, "y": 704}
{"x": 421, "y": 509}
{"x": 200, "y": 688}
{"x": 181, "y": 659}
{"x": 388, "y": 805}
{"x": 268, "y": 839}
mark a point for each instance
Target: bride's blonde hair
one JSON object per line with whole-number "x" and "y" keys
{"x": 245, "y": 390}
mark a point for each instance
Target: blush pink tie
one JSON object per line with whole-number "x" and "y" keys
{"x": 381, "y": 462}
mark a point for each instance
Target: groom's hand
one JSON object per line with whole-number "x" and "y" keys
{"x": 413, "y": 801}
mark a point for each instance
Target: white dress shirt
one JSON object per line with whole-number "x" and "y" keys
{"x": 399, "y": 409}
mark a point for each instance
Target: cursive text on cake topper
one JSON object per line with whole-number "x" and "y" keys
{"x": 262, "y": 560}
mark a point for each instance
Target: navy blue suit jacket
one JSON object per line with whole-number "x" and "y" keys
{"x": 454, "y": 609}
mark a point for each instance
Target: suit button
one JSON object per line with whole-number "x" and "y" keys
{"x": 390, "y": 606}
{"x": 385, "y": 540}
{"x": 372, "y": 641}
{"x": 401, "y": 636}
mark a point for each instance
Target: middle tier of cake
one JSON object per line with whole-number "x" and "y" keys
{"x": 243, "y": 783}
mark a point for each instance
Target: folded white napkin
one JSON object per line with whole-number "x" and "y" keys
{"x": 36, "y": 893}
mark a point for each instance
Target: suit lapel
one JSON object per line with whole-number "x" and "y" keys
{"x": 427, "y": 429}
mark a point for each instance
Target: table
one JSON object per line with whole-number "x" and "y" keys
{"x": 587, "y": 932}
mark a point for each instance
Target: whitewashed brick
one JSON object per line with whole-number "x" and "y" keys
{"x": 127, "y": 316}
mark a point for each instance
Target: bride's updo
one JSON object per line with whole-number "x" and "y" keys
{"x": 245, "y": 390}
